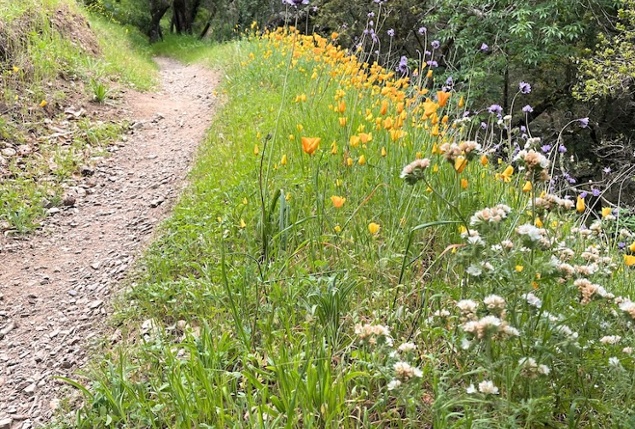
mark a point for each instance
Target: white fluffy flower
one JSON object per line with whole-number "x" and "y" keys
{"x": 487, "y": 387}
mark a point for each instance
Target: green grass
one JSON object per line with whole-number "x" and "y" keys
{"x": 41, "y": 72}
{"x": 263, "y": 304}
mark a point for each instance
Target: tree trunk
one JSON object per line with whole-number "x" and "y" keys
{"x": 158, "y": 8}
{"x": 183, "y": 15}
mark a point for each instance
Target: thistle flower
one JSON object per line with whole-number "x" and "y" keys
{"x": 414, "y": 171}
{"x": 404, "y": 371}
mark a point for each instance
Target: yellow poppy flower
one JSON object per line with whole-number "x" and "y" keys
{"x": 606, "y": 211}
{"x": 256, "y": 150}
{"x": 580, "y": 206}
{"x": 443, "y": 98}
{"x": 361, "y": 160}
{"x": 519, "y": 268}
{"x": 43, "y": 103}
{"x": 374, "y": 228}
{"x": 629, "y": 260}
{"x": 632, "y": 247}
{"x": 342, "y": 121}
{"x": 365, "y": 137}
{"x": 283, "y": 161}
{"x": 338, "y": 201}
{"x": 484, "y": 160}
{"x": 383, "y": 151}
{"x": 460, "y": 163}
{"x": 464, "y": 183}
{"x": 310, "y": 144}
{"x": 527, "y": 187}
{"x": 384, "y": 108}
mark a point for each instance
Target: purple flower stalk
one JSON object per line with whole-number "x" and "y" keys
{"x": 584, "y": 194}
{"x": 562, "y": 149}
{"x": 595, "y": 192}
{"x": 422, "y": 30}
{"x": 584, "y": 122}
{"x": 545, "y": 148}
{"x": 435, "y": 44}
{"x": 391, "y": 32}
{"x": 484, "y": 47}
{"x": 432, "y": 64}
{"x": 527, "y": 109}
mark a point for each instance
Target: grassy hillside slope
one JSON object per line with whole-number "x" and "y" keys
{"x": 60, "y": 71}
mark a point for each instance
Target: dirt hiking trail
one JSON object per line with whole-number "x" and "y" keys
{"x": 56, "y": 285}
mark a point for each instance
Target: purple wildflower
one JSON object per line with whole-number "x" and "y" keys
{"x": 484, "y": 47}
{"x": 545, "y": 148}
{"x": 483, "y": 125}
{"x": 466, "y": 113}
{"x": 595, "y": 192}
{"x": 427, "y": 53}
{"x": 527, "y": 109}
{"x": 432, "y": 64}
{"x": 524, "y": 88}
{"x": 606, "y": 170}
{"x": 449, "y": 81}
{"x": 523, "y": 129}
{"x": 435, "y": 44}
{"x": 495, "y": 108}
{"x": 403, "y": 65}
{"x": 584, "y": 122}
{"x": 562, "y": 149}
{"x": 621, "y": 245}
{"x": 371, "y": 14}
{"x": 391, "y": 32}
{"x": 295, "y": 3}
{"x": 422, "y": 30}
{"x": 583, "y": 194}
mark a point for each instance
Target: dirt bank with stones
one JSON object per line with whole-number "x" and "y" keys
{"x": 56, "y": 285}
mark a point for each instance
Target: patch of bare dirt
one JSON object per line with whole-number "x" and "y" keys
{"x": 56, "y": 285}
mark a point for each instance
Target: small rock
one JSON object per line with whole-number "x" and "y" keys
{"x": 69, "y": 200}
{"x": 157, "y": 202}
{"x": 9, "y": 152}
{"x": 53, "y": 210}
{"x": 87, "y": 170}
{"x": 94, "y": 304}
{"x": 6, "y": 423}
{"x": 95, "y": 265}
{"x": 30, "y": 389}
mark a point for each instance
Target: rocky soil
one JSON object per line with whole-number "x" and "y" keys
{"x": 56, "y": 285}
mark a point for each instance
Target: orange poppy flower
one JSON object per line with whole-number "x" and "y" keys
{"x": 310, "y": 144}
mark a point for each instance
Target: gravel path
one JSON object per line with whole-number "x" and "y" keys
{"x": 56, "y": 285}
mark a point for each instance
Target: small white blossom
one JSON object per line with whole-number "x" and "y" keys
{"x": 487, "y": 387}
{"x": 393, "y": 384}
{"x": 471, "y": 389}
{"x": 407, "y": 347}
{"x": 610, "y": 339}
{"x": 532, "y": 300}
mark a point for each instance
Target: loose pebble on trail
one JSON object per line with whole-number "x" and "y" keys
{"x": 56, "y": 284}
